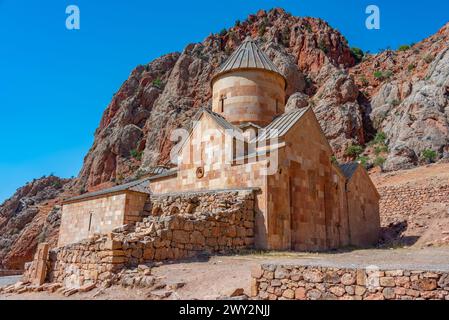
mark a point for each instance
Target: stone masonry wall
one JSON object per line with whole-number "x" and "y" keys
{"x": 407, "y": 200}
{"x": 100, "y": 215}
{"x": 182, "y": 226}
{"x": 291, "y": 282}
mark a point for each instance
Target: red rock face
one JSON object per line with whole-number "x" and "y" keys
{"x": 406, "y": 93}
{"x": 410, "y": 106}
{"x": 317, "y": 63}
{"x": 166, "y": 93}
{"x": 30, "y": 216}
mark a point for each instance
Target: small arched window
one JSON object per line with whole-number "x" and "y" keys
{"x": 90, "y": 221}
{"x": 222, "y": 99}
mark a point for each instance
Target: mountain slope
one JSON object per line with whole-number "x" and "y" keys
{"x": 166, "y": 93}
{"x": 403, "y": 94}
{"x": 30, "y": 216}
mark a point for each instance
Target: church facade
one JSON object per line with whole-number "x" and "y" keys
{"x": 304, "y": 200}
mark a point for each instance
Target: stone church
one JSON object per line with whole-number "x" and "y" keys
{"x": 305, "y": 201}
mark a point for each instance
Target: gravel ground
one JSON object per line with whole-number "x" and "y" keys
{"x": 428, "y": 259}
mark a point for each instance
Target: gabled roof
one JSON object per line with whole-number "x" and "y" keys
{"x": 219, "y": 120}
{"x": 281, "y": 125}
{"x": 136, "y": 186}
{"x": 349, "y": 169}
{"x": 248, "y": 56}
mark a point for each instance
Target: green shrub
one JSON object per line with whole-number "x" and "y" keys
{"x": 429, "y": 155}
{"x": 383, "y": 75}
{"x": 136, "y": 154}
{"x": 395, "y": 102}
{"x": 404, "y": 47}
{"x": 354, "y": 151}
{"x": 334, "y": 160}
{"x": 379, "y": 162}
{"x": 157, "y": 83}
{"x": 380, "y": 137}
{"x": 378, "y": 75}
{"x": 237, "y": 23}
{"x": 358, "y": 54}
{"x": 411, "y": 67}
{"x": 380, "y": 149}
{"x": 363, "y": 160}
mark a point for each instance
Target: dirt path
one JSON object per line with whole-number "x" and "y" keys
{"x": 220, "y": 275}
{"x": 434, "y": 174}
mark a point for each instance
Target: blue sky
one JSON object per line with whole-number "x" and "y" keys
{"x": 55, "y": 83}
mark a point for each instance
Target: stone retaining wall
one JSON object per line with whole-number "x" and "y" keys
{"x": 407, "y": 200}
{"x": 182, "y": 226}
{"x": 280, "y": 282}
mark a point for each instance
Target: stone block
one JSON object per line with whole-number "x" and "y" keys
{"x": 424, "y": 284}
{"x": 387, "y": 282}
{"x": 361, "y": 277}
{"x": 256, "y": 272}
{"x": 389, "y": 293}
{"x": 288, "y": 294}
{"x": 348, "y": 279}
{"x": 314, "y": 276}
{"x": 300, "y": 293}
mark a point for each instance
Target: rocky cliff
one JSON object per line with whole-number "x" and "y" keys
{"x": 399, "y": 97}
{"x": 402, "y": 94}
{"x": 30, "y": 216}
{"x": 406, "y": 94}
{"x": 134, "y": 132}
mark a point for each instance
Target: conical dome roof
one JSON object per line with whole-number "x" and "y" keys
{"x": 248, "y": 56}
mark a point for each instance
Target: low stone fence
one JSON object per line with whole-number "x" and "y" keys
{"x": 407, "y": 200}
{"x": 291, "y": 282}
{"x": 182, "y": 226}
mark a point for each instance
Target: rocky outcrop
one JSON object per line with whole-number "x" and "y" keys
{"x": 120, "y": 138}
{"x": 407, "y": 95}
{"x": 415, "y": 117}
{"x": 134, "y": 133}
{"x": 30, "y": 216}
